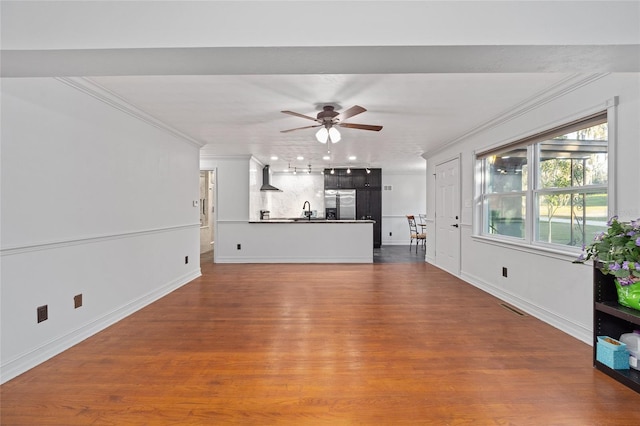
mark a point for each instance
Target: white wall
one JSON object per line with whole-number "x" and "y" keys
{"x": 94, "y": 202}
{"x": 234, "y": 184}
{"x": 545, "y": 284}
{"x": 407, "y": 195}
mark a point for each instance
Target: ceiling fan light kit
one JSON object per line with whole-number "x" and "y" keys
{"x": 325, "y": 135}
{"x": 328, "y": 119}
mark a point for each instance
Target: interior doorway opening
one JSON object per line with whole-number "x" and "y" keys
{"x": 207, "y": 210}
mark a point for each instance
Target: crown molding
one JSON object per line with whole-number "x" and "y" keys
{"x": 108, "y": 97}
{"x": 209, "y": 156}
{"x": 553, "y": 92}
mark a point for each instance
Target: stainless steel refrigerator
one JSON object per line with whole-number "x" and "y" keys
{"x": 340, "y": 203}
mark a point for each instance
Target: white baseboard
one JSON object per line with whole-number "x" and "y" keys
{"x": 28, "y": 360}
{"x": 578, "y": 331}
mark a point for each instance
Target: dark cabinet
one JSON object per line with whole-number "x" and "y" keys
{"x": 364, "y": 180}
{"x": 357, "y": 179}
{"x": 330, "y": 180}
{"x": 611, "y": 319}
{"x": 339, "y": 179}
{"x": 369, "y": 206}
{"x": 375, "y": 179}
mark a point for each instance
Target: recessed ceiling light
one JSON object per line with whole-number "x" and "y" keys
{"x": 326, "y": 157}
{"x": 300, "y": 157}
{"x": 353, "y": 157}
{"x": 274, "y": 157}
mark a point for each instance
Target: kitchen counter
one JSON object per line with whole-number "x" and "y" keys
{"x": 288, "y": 240}
{"x": 303, "y": 220}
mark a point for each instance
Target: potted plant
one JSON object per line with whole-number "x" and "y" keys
{"x": 618, "y": 252}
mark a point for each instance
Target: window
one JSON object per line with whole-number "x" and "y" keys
{"x": 550, "y": 188}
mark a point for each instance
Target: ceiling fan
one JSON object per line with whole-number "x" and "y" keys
{"x": 328, "y": 118}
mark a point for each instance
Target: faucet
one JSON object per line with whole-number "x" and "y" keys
{"x": 307, "y": 213}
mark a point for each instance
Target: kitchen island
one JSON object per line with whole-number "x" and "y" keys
{"x": 301, "y": 240}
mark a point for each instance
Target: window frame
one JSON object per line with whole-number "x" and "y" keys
{"x": 529, "y": 243}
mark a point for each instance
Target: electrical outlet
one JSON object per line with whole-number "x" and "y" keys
{"x": 43, "y": 313}
{"x": 239, "y": 247}
{"x": 504, "y": 272}
{"x": 186, "y": 260}
{"x": 77, "y": 301}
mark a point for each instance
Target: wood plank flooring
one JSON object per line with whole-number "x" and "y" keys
{"x": 377, "y": 344}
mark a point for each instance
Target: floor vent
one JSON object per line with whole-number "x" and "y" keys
{"x": 512, "y": 309}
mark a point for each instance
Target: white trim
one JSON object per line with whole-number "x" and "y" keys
{"x": 610, "y": 107}
{"x": 537, "y": 249}
{"x": 558, "y": 90}
{"x": 612, "y": 173}
{"x": 53, "y": 347}
{"x": 102, "y": 94}
{"x": 48, "y": 245}
{"x": 567, "y": 119}
{"x": 209, "y": 156}
{"x": 579, "y": 331}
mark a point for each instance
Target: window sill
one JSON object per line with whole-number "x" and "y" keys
{"x": 537, "y": 249}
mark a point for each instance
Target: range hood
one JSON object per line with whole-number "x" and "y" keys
{"x": 266, "y": 181}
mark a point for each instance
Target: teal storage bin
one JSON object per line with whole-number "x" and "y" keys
{"x": 612, "y": 353}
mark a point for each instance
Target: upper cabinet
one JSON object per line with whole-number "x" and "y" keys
{"x": 357, "y": 179}
{"x": 339, "y": 179}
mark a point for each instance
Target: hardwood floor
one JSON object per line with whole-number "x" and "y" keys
{"x": 372, "y": 344}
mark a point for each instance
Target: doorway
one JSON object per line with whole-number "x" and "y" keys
{"x": 447, "y": 209}
{"x": 207, "y": 210}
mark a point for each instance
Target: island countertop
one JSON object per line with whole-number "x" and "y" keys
{"x": 282, "y": 240}
{"x": 304, "y": 220}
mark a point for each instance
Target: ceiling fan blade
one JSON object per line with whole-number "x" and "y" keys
{"x": 354, "y": 110}
{"x": 361, "y": 126}
{"x": 300, "y": 128}
{"x": 299, "y": 115}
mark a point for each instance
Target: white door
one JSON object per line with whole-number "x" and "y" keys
{"x": 447, "y": 216}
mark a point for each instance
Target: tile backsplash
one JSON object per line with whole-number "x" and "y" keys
{"x": 296, "y": 189}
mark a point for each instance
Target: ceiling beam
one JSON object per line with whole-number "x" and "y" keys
{"x": 320, "y": 60}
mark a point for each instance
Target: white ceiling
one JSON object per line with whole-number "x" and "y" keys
{"x": 240, "y": 115}
{"x": 220, "y": 72}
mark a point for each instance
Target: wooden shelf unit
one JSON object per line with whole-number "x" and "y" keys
{"x": 611, "y": 319}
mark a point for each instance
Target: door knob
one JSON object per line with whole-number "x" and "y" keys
{"x": 455, "y": 225}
